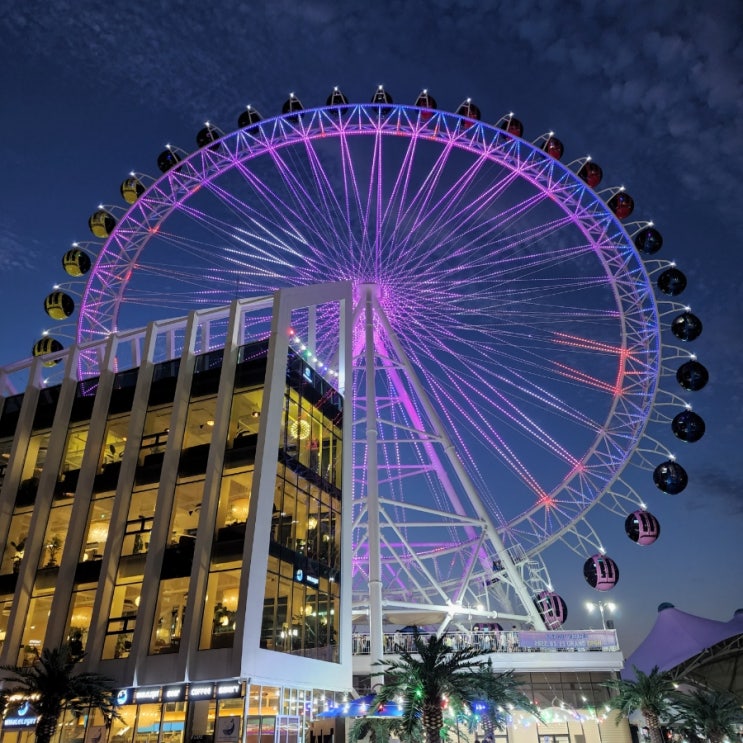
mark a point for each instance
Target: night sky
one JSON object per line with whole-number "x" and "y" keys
{"x": 653, "y": 91}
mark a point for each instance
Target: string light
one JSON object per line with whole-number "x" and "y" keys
{"x": 303, "y": 349}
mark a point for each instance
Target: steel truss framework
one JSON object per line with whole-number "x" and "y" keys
{"x": 451, "y": 570}
{"x": 472, "y": 556}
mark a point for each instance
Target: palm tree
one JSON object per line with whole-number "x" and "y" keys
{"x": 53, "y": 686}
{"x": 433, "y": 676}
{"x": 710, "y": 714}
{"x": 379, "y": 729}
{"x": 650, "y": 693}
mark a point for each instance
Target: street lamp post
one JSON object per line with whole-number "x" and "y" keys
{"x": 602, "y": 607}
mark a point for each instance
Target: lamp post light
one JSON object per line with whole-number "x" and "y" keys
{"x": 602, "y": 607}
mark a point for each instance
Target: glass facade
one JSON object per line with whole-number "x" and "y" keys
{"x": 227, "y": 711}
{"x": 132, "y": 524}
{"x": 301, "y": 607}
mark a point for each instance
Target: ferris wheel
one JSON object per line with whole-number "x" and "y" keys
{"x": 510, "y": 354}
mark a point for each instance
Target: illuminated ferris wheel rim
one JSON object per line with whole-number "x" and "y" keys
{"x": 118, "y": 256}
{"x": 603, "y": 461}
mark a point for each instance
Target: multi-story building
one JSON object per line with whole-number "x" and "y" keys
{"x": 178, "y": 507}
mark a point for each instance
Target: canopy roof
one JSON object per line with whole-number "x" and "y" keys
{"x": 703, "y": 650}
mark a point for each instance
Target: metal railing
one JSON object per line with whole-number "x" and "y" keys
{"x": 511, "y": 641}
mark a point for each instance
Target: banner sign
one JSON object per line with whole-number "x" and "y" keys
{"x": 229, "y": 689}
{"x": 565, "y": 640}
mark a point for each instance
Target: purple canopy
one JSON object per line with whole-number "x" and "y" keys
{"x": 677, "y": 637}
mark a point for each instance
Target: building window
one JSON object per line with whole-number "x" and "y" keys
{"x": 35, "y": 627}
{"x": 233, "y": 508}
{"x": 80, "y": 619}
{"x": 5, "y": 608}
{"x": 55, "y": 536}
{"x": 15, "y": 547}
{"x": 184, "y": 518}
{"x": 152, "y": 447}
{"x": 109, "y": 458}
{"x": 171, "y": 608}
{"x": 218, "y": 623}
{"x": 139, "y": 522}
{"x": 122, "y": 620}
{"x": 33, "y": 463}
{"x": 99, "y": 518}
{"x": 5, "y": 447}
{"x": 72, "y": 459}
{"x": 197, "y": 436}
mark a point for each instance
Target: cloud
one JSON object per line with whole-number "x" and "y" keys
{"x": 15, "y": 252}
{"x": 723, "y": 488}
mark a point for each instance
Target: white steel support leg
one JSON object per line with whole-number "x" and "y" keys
{"x": 514, "y": 576}
{"x": 376, "y": 625}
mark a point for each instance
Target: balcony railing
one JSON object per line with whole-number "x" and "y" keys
{"x": 512, "y": 641}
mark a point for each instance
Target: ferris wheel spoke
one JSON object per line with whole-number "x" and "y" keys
{"x": 470, "y": 299}
{"x": 411, "y": 215}
{"x": 532, "y": 395}
{"x": 444, "y": 214}
{"x": 305, "y": 205}
{"x": 237, "y": 265}
{"x": 250, "y": 240}
{"x": 519, "y": 418}
{"x": 494, "y": 340}
{"x": 280, "y": 214}
{"x": 353, "y": 210}
{"x": 478, "y": 386}
{"x": 466, "y": 219}
{"x": 526, "y": 248}
{"x": 174, "y": 300}
{"x": 235, "y": 214}
{"x": 376, "y": 201}
{"x": 486, "y": 247}
{"x": 310, "y": 169}
{"x": 393, "y": 216}
{"x": 466, "y": 206}
{"x": 495, "y": 442}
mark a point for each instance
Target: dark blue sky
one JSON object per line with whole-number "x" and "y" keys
{"x": 653, "y": 91}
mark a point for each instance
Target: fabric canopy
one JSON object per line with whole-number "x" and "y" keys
{"x": 678, "y": 637}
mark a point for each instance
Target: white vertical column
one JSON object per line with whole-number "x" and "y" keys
{"x": 376, "y": 623}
